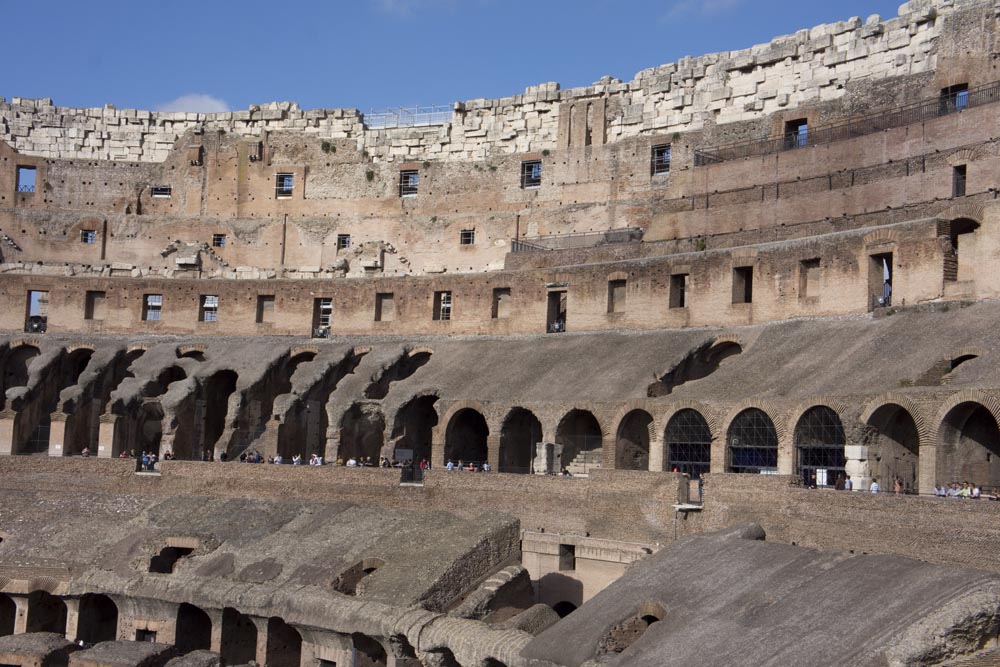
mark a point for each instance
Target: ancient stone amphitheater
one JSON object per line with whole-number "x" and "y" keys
{"x": 622, "y": 347}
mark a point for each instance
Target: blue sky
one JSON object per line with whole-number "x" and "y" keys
{"x": 368, "y": 54}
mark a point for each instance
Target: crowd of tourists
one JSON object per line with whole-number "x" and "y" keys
{"x": 964, "y": 490}
{"x": 469, "y": 466}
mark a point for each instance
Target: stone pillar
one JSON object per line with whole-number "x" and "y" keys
{"x": 21, "y": 614}
{"x": 493, "y": 451}
{"x": 657, "y": 455}
{"x": 106, "y": 431}
{"x": 7, "y": 421}
{"x": 548, "y": 458}
{"x": 153, "y": 615}
{"x": 609, "y": 451}
{"x": 857, "y": 466}
{"x": 57, "y": 435}
{"x": 718, "y": 453}
{"x": 437, "y": 450}
{"x": 216, "y": 642}
{"x": 927, "y": 475}
{"x": 72, "y": 618}
{"x": 261, "y": 625}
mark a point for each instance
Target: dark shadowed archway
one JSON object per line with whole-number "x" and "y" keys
{"x": 362, "y": 432}
{"x": 239, "y": 638}
{"x": 894, "y": 445}
{"x": 46, "y": 613}
{"x": 414, "y": 426}
{"x": 970, "y": 446}
{"x": 8, "y": 615}
{"x": 632, "y": 441}
{"x": 98, "y": 619}
{"x": 581, "y": 437}
{"x": 520, "y": 433}
{"x": 194, "y": 629}
{"x": 465, "y": 439}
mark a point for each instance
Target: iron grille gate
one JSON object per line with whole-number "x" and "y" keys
{"x": 819, "y": 443}
{"x": 689, "y": 443}
{"x": 752, "y": 443}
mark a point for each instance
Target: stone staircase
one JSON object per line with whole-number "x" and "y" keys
{"x": 585, "y": 461}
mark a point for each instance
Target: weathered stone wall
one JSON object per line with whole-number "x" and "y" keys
{"x": 817, "y": 64}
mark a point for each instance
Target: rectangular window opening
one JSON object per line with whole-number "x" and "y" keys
{"x": 616, "y": 296}
{"x": 88, "y": 236}
{"x": 567, "y": 557}
{"x": 322, "y": 317}
{"x": 385, "y": 309}
{"x": 284, "y": 185}
{"x": 880, "y": 278}
{"x": 37, "y": 320}
{"x": 95, "y": 306}
{"x": 531, "y": 174}
{"x": 145, "y": 636}
{"x": 660, "y": 159}
{"x": 743, "y": 284}
{"x": 501, "y": 303}
{"x": 208, "y": 308}
{"x": 797, "y": 133}
{"x": 343, "y": 241}
{"x": 808, "y": 277}
{"x": 954, "y": 98}
{"x": 442, "y": 306}
{"x": 678, "y": 290}
{"x": 958, "y": 180}
{"x": 26, "y": 179}
{"x": 152, "y": 307}
{"x": 555, "y": 321}
{"x": 219, "y": 240}
{"x": 162, "y": 191}
{"x": 467, "y": 237}
{"x": 265, "y": 308}
{"x": 409, "y": 182}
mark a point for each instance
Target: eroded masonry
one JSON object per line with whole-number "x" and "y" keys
{"x": 670, "y": 316}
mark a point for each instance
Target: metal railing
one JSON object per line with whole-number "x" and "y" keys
{"x": 408, "y": 117}
{"x": 905, "y": 115}
{"x": 576, "y": 240}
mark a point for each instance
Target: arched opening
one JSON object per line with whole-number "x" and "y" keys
{"x": 688, "y": 443}
{"x": 893, "y": 446}
{"x": 632, "y": 441}
{"x": 46, "y": 613}
{"x": 194, "y": 629}
{"x": 580, "y": 435}
{"x": 164, "y": 379}
{"x": 564, "y": 608}
{"x": 465, "y": 439}
{"x": 752, "y": 443}
{"x": 98, "y": 619}
{"x": 970, "y": 446}
{"x": 819, "y": 447}
{"x": 239, "y": 638}
{"x": 15, "y": 370}
{"x": 626, "y": 633}
{"x": 72, "y": 366}
{"x": 350, "y": 580}
{"x": 149, "y": 429}
{"x": 218, "y": 389}
{"x": 520, "y": 433}
{"x": 284, "y": 644}
{"x": 195, "y": 354}
{"x": 402, "y": 368}
{"x": 8, "y": 615}
{"x": 369, "y": 652}
{"x": 362, "y": 432}
{"x": 414, "y": 426}
{"x": 696, "y": 365}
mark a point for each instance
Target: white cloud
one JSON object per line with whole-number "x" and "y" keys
{"x": 196, "y": 103}
{"x": 699, "y": 8}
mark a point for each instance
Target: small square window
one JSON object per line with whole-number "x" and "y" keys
{"x": 409, "y": 182}
{"x": 531, "y": 174}
{"x": 467, "y": 237}
{"x": 26, "y": 179}
{"x": 219, "y": 240}
{"x": 284, "y": 185}
{"x": 209, "y": 310}
{"x": 385, "y": 308}
{"x": 660, "y": 159}
{"x": 797, "y": 133}
{"x": 343, "y": 241}
{"x": 162, "y": 191}
{"x": 265, "y": 309}
{"x": 442, "y": 306}
{"x": 88, "y": 236}
{"x": 152, "y": 306}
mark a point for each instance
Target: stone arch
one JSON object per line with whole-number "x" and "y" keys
{"x": 15, "y": 370}
{"x": 687, "y": 442}
{"x": 880, "y": 237}
{"x": 972, "y": 210}
{"x": 196, "y": 352}
{"x": 216, "y": 391}
{"x": 370, "y": 651}
{"x": 284, "y": 644}
{"x": 466, "y": 436}
{"x": 632, "y": 439}
{"x": 752, "y": 441}
{"x": 362, "y": 430}
{"x": 819, "y": 442}
{"x": 414, "y": 424}
{"x": 520, "y": 432}
{"x": 98, "y": 621}
{"x": 239, "y": 638}
{"x": 894, "y": 440}
{"x": 46, "y": 613}
{"x": 916, "y": 413}
{"x": 194, "y": 629}
{"x": 580, "y": 432}
{"x": 968, "y": 439}
{"x": 965, "y": 155}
